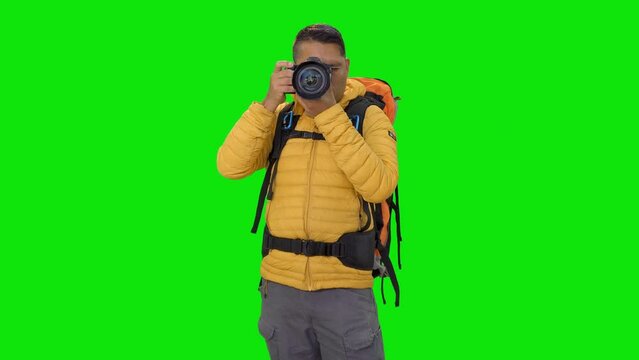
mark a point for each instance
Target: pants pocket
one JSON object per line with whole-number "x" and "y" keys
{"x": 364, "y": 344}
{"x": 269, "y": 333}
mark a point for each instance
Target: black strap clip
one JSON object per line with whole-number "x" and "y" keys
{"x": 305, "y": 247}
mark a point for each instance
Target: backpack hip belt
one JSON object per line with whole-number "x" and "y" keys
{"x": 354, "y": 249}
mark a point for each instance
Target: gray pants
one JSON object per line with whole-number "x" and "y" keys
{"x": 332, "y": 324}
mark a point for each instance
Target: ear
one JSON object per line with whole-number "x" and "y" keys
{"x": 348, "y": 65}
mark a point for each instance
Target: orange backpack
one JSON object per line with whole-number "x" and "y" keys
{"x": 379, "y": 92}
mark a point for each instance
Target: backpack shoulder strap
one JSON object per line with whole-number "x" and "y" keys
{"x": 286, "y": 120}
{"x": 356, "y": 109}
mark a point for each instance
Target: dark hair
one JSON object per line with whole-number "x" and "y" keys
{"x": 322, "y": 33}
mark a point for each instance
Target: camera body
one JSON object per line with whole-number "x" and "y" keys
{"x": 312, "y": 78}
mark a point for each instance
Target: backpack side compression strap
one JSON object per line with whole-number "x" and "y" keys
{"x": 394, "y": 206}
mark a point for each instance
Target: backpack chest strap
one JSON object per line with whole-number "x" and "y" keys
{"x": 296, "y": 134}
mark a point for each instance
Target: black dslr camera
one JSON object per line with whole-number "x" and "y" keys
{"x": 312, "y": 78}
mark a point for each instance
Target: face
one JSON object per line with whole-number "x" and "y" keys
{"x": 329, "y": 54}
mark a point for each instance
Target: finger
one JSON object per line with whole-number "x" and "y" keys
{"x": 285, "y": 89}
{"x": 282, "y": 64}
{"x": 283, "y": 81}
{"x": 286, "y": 74}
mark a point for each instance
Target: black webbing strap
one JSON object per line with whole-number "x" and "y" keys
{"x": 304, "y": 247}
{"x": 395, "y": 206}
{"x": 296, "y": 134}
{"x": 383, "y": 296}
{"x": 269, "y": 193}
{"x": 260, "y": 201}
{"x": 383, "y": 251}
{"x": 367, "y": 210}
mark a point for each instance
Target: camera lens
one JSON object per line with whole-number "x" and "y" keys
{"x": 311, "y": 79}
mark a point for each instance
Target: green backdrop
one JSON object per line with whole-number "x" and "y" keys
{"x": 121, "y": 241}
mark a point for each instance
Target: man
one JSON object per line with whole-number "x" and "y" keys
{"x": 315, "y": 307}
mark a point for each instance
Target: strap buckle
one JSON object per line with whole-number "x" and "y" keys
{"x": 314, "y": 248}
{"x": 305, "y": 247}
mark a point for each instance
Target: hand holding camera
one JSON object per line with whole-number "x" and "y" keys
{"x": 310, "y": 81}
{"x": 280, "y": 85}
{"x": 312, "y": 84}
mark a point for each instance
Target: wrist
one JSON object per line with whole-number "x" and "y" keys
{"x": 270, "y": 104}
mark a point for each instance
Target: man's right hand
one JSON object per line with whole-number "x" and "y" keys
{"x": 281, "y": 84}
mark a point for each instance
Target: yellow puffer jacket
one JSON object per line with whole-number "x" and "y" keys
{"x": 318, "y": 184}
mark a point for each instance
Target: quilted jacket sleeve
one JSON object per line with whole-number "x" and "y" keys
{"x": 246, "y": 147}
{"x": 369, "y": 162}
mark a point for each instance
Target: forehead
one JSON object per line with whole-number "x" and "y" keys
{"x": 328, "y": 53}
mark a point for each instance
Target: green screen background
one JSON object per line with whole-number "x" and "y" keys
{"x": 517, "y": 171}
